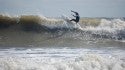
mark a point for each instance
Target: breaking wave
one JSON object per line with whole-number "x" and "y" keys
{"x": 113, "y": 28}
{"x": 44, "y": 31}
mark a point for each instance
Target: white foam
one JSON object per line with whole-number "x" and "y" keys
{"x": 114, "y": 28}
{"x": 70, "y": 59}
{"x": 88, "y": 62}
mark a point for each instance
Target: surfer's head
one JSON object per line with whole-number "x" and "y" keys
{"x": 77, "y": 13}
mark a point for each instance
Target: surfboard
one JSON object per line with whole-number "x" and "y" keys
{"x": 71, "y": 24}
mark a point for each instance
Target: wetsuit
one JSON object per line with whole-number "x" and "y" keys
{"x": 76, "y": 16}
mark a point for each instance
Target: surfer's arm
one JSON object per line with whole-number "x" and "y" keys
{"x": 73, "y": 11}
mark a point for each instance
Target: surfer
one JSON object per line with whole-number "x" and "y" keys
{"x": 76, "y": 16}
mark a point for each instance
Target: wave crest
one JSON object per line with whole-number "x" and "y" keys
{"x": 110, "y": 28}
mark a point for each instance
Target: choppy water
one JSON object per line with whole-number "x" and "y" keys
{"x": 62, "y": 59}
{"x": 30, "y": 42}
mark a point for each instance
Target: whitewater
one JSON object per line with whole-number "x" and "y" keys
{"x": 32, "y": 42}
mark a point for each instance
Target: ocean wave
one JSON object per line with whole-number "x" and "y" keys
{"x": 109, "y": 28}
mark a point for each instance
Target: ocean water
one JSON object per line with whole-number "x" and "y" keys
{"x": 32, "y": 42}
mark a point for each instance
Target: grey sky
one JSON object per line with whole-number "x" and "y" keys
{"x": 55, "y": 8}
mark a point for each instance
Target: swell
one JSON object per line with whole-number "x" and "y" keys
{"x": 36, "y": 23}
{"x": 27, "y": 23}
{"x": 108, "y": 28}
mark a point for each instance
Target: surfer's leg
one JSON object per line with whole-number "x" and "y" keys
{"x": 73, "y": 20}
